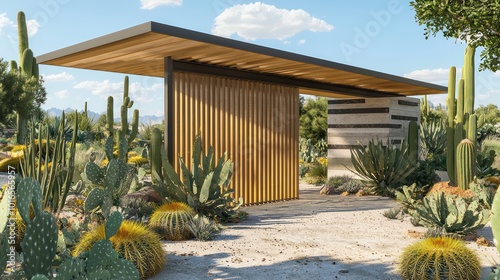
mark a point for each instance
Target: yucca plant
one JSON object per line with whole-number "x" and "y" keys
{"x": 382, "y": 167}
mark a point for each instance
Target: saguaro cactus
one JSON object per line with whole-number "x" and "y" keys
{"x": 123, "y": 131}
{"x": 29, "y": 68}
{"x": 461, "y": 123}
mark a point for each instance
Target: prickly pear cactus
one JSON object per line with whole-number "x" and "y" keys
{"x": 39, "y": 244}
{"x": 113, "y": 224}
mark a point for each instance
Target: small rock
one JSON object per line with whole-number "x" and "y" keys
{"x": 361, "y": 193}
{"x": 325, "y": 190}
{"x": 344, "y": 194}
{"x": 344, "y": 271}
{"x": 482, "y": 241}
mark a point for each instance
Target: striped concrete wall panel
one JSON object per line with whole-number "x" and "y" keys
{"x": 256, "y": 123}
{"x": 354, "y": 121}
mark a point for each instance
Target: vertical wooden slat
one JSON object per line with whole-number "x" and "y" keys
{"x": 256, "y": 123}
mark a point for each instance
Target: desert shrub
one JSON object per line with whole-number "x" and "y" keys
{"x": 303, "y": 169}
{"x": 352, "y": 186}
{"x": 317, "y": 174}
{"x": 202, "y": 228}
{"x": 439, "y": 258}
{"x": 383, "y": 168}
{"x": 409, "y": 197}
{"x": 336, "y": 181}
{"x": 133, "y": 242}
{"x": 392, "y": 213}
{"x": 424, "y": 175}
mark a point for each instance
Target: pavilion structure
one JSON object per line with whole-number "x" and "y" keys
{"x": 242, "y": 98}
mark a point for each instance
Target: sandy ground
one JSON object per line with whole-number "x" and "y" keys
{"x": 315, "y": 237}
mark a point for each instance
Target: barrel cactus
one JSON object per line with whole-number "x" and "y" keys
{"x": 439, "y": 258}
{"x": 133, "y": 242}
{"x": 171, "y": 220}
{"x": 466, "y": 163}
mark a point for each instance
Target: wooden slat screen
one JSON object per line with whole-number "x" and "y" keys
{"x": 256, "y": 123}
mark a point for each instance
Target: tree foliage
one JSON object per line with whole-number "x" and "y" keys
{"x": 491, "y": 113}
{"x": 19, "y": 94}
{"x": 476, "y": 22}
{"x": 313, "y": 121}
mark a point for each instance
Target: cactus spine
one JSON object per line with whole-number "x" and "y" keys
{"x": 465, "y": 163}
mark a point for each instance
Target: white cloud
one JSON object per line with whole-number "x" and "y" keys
{"x": 33, "y": 26}
{"x": 138, "y": 92}
{"x": 302, "y": 41}
{"x": 61, "y": 77}
{"x": 104, "y": 88}
{"x": 437, "y": 76}
{"x": 5, "y": 21}
{"x": 482, "y": 97}
{"x": 497, "y": 74}
{"x": 151, "y": 4}
{"x": 62, "y": 94}
{"x": 262, "y": 21}
{"x": 145, "y": 94}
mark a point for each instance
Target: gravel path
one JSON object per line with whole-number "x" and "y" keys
{"x": 315, "y": 237}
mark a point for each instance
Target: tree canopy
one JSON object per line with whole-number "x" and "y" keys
{"x": 475, "y": 22}
{"x": 313, "y": 121}
{"x": 491, "y": 113}
{"x": 18, "y": 93}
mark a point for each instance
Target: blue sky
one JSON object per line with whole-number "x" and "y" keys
{"x": 380, "y": 35}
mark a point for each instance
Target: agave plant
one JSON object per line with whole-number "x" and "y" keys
{"x": 205, "y": 187}
{"x": 451, "y": 213}
{"x": 382, "y": 167}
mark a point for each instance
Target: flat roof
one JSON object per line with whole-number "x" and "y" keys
{"x": 140, "y": 50}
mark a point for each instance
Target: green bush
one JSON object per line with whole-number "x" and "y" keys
{"x": 352, "y": 186}
{"x": 383, "y": 168}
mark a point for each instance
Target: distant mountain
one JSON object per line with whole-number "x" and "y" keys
{"x": 142, "y": 119}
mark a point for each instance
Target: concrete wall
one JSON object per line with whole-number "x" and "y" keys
{"x": 354, "y": 121}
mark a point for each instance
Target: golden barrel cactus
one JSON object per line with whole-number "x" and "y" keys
{"x": 439, "y": 258}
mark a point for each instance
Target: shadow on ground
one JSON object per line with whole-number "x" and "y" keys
{"x": 314, "y": 267}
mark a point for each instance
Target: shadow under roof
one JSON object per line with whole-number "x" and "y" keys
{"x": 140, "y": 50}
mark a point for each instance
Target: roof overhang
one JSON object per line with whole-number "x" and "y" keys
{"x": 141, "y": 50}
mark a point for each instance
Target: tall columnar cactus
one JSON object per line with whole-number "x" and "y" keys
{"x": 462, "y": 123}
{"x": 28, "y": 67}
{"x": 466, "y": 163}
{"x": 155, "y": 155}
{"x": 123, "y": 132}
{"x": 413, "y": 140}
